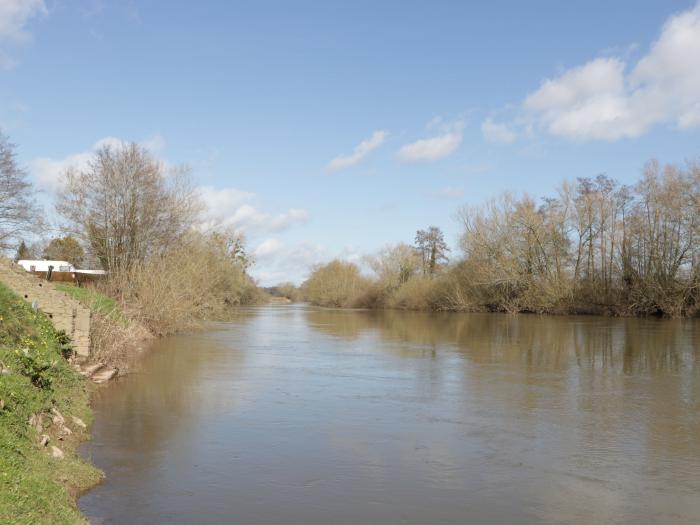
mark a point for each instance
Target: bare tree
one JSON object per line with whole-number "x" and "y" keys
{"x": 395, "y": 265}
{"x": 19, "y": 213}
{"x": 432, "y": 247}
{"x": 125, "y": 207}
{"x": 598, "y": 247}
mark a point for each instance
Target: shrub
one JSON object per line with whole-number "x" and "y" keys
{"x": 418, "y": 293}
{"x": 335, "y": 284}
{"x": 197, "y": 279}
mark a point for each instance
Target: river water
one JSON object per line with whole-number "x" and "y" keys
{"x": 296, "y": 415}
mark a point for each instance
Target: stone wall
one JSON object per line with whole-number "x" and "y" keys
{"x": 66, "y": 313}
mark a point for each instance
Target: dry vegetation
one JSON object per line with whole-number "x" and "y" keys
{"x": 597, "y": 247}
{"x": 335, "y": 284}
{"x": 126, "y": 207}
{"x": 141, "y": 223}
{"x": 140, "y": 220}
{"x": 197, "y": 279}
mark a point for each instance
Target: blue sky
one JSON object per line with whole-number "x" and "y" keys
{"x": 325, "y": 129}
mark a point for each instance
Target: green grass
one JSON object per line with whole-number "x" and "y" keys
{"x": 95, "y": 301}
{"x": 34, "y": 487}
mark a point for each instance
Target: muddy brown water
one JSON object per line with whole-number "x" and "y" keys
{"x": 295, "y": 415}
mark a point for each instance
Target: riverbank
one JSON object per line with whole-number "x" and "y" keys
{"x": 44, "y": 416}
{"x": 587, "y": 310}
{"x": 116, "y": 339}
{"x": 45, "y": 394}
{"x": 458, "y": 288}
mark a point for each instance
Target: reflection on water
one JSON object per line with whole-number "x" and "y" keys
{"x": 299, "y": 415}
{"x": 635, "y": 345}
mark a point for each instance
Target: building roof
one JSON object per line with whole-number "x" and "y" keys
{"x": 43, "y": 266}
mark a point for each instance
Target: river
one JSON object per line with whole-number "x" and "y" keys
{"x": 296, "y": 415}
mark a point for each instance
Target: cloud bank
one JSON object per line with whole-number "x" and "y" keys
{"x": 277, "y": 261}
{"x": 610, "y": 99}
{"x": 233, "y": 208}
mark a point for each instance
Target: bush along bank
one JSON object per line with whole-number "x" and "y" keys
{"x": 44, "y": 413}
{"x": 116, "y": 340}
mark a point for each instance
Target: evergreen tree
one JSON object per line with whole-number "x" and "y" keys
{"x": 23, "y": 252}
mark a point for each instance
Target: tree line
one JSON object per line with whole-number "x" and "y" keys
{"x": 128, "y": 213}
{"x": 593, "y": 246}
{"x": 596, "y": 246}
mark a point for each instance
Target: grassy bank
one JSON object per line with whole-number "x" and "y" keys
{"x": 41, "y": 397}
{"x": 97, "y": 302}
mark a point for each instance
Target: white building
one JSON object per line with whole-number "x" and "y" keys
{"x": 43, "y": 266}
{"x": 60, "y": 270}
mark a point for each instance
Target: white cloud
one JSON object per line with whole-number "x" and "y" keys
{"x": 47, "y": 172}
{"x": 220, "y": 201}
{"x": 495, "y": 132}
{"x": 289, "y": 262}
{"x": 433, "y": 148}
{"x": 233, "y": 208}
{"x": 608, "y": 99}
{"x": 14, "y": 15}
{"x": 363, "y": 149}
{"x": 277, "y": 262}
{"x": 252, "y": 221}
{"x": 266, "y": 249}
{"x": 590, "y": 102}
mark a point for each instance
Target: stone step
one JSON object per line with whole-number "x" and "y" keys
{"x": 90, "y": 370}
{"x": 105, "y": 375}
{"x": 65, "y": 312}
